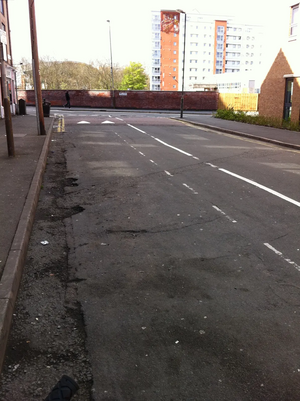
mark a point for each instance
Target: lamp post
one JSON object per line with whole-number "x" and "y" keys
{"x": 111, "y": 68}
{"x": 183, "y": 65}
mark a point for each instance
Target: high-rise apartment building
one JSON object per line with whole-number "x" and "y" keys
{"x": 213, "y": 45}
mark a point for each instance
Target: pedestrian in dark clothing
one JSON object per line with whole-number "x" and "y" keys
{"x": 67, "y": 99}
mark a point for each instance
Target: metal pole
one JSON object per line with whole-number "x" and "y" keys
{"x": 183, "y": 66}
{"x": 36, "y": 70}
{"x": 111, "y": 68}
{"x": 6, "y": 106}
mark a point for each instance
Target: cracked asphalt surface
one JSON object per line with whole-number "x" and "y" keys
{"x": 174, "y": 252}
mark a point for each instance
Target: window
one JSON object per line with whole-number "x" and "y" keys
{"x": 175, "y": 43}
{"x": 174, "y": 61}
{"x": 1, "y": 7}
{"x": 294, "y": 20}
{"x": 174, "y": 68}
{"x": 174, "y": 52}
{"x": 4, "y": 45}
{"x": 175, "y": 34}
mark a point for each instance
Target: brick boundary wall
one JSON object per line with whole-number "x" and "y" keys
{"x": 151, "y": 100}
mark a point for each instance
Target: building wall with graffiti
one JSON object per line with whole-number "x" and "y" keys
{"x": 170, "y": 28}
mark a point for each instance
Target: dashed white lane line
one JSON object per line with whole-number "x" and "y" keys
{"x": 167, "y": 172}
{"x": 190, "y": 188}
{"x": 224, "y": 214}
{"x": 141, "y": 153}
{"x": 281, "y": 255}
{"x": 153, "y": 162}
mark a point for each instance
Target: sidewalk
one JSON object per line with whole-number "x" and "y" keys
{"x": 277, "y": 136}
{"x": 20, "y": 183}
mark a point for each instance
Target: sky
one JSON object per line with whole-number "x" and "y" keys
{"x": 77, "y": 30}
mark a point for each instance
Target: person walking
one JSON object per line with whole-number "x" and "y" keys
{"x": 67, "y": 99}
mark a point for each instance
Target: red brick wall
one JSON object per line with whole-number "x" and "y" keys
{"x": 271, "y": 100}
{"x": 151, "y": 100}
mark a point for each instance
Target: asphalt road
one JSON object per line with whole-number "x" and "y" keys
{"x": 184, "y": 256}
{"x": 187, "y": 260}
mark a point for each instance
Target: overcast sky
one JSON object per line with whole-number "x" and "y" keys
{"x": 77, "y": 30}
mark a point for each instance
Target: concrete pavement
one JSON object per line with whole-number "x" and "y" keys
{"x": 20, "y": 183}
{"x": 277, "y": 136}
{"x": 21, "y": 180}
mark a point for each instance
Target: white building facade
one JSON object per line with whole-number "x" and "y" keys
{"x": 214, "y": 45}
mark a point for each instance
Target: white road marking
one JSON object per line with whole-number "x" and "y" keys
{"x": 281, "y": 255}
{"x": 256, "y": 184}
{"x": 211, "y": 165}
{"x": 121, "y": 119}
{"x": 107, "y": 122}
{"x": 83, "y": 122}
{"x": 153, "y": 162}
{"x": 164, "y": 143}
{"x": 173, "y": 147}
{"x": 191, "y": 189}
{"x": 132, "y": 126}
{"x": 224, "y": 214}
{"x": 141, "y": 153}
{"x": 168, "y": 173}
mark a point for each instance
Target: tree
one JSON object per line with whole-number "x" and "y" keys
{"x": 105, "y": 75}
{"x": 94, "y": 76}
{"x": 134, "y": 77}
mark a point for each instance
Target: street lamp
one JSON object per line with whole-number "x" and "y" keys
{"x": 183, "y": 64}
{"x": 111, "y": 67}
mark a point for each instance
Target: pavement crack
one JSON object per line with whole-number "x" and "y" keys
{"x": 158, "y": 230}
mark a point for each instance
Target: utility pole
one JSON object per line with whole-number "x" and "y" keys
{"x": 6, "y": 105}
{"x": 36, "y": 70}
{"x": 183, "y": 65}
{"x": 111, "y": 69}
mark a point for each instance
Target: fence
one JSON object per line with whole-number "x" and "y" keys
{"x": 238, "y": 101}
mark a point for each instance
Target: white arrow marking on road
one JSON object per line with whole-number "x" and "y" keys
{"x": 83, "y": 122}
{"x": 107, "y": 122}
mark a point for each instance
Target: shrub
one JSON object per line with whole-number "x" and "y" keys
{"x": 241, "y": 116}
